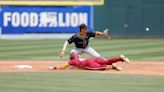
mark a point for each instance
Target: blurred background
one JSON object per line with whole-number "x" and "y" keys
{"x": 37, "y": 29}
{"x": 131, "y": 18}
{"x": 124, "y": 18}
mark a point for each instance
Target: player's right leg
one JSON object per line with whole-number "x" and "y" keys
{"x": 121, "y": 58}
{"x": 111, "y": 62}
{"x": 114, "y": 60}
{"x": 91, "y": 51}
{"x": 77, "y": 51}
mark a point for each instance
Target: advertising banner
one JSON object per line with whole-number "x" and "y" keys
{"x": 42, "y": 19}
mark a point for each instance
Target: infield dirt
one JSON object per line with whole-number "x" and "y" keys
{"x": 135, "y": 67}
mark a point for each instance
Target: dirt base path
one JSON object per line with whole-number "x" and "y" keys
{"x": 143, "y": 68}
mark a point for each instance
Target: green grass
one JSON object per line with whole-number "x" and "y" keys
{"x": 135, "y": 49}
{"x": 79, "y": 82}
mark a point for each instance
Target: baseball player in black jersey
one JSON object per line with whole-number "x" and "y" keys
{"x": 81, "y": 41}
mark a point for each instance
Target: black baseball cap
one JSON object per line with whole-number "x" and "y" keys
{"x": 82, "y": 26}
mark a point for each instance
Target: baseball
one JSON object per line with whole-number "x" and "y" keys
{"x": 147, "y": 29}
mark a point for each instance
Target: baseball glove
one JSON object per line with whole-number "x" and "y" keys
{"x": 106, "y": 33}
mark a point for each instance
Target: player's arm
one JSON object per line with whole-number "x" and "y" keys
{"x": 63, "y": 49}
{"x": 64, "y": 66}
{"x": 99, "y": 33}
{"x": 104, "y": 33}
{"x": 70, "y": 40}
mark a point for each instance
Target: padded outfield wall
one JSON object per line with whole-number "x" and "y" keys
{"x": 131, "y": 18}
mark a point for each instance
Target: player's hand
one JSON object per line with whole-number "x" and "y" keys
{"x": 61, "y": 53}
{"x": 53, "y": 68}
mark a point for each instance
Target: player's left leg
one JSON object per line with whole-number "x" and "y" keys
{"x": 92, "y": 65}
{"x": 91, "y": 51}
{"x": 76, "y": 50}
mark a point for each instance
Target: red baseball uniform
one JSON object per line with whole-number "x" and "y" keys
{"x": 94, "y": 63}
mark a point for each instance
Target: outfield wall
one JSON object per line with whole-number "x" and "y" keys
{"x": 124, "y": 18}
{"x": 131, "y": 18}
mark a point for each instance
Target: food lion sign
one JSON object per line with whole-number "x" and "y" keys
{"x": 39, "y": 19}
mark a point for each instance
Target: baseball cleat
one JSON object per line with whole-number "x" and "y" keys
{"x": 118, "y": 68}
{"x": 115, "y": 67}
{"x": 125, "y": 59}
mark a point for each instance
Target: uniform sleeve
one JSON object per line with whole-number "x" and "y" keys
{"x": 71, "y": 62}
{"x": 70, "y": 40}
{"x": 92, "y": 34}
{"x": 64, "y": 66}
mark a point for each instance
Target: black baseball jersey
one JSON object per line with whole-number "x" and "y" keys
{"x": 81, "y": 41}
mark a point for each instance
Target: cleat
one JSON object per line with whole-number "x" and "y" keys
{"x": 125, "y": 59}
{"x": 115, "y": 67}
{"x": 118, "y": 68}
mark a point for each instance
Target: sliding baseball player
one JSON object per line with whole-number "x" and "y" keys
{"x": 95, "y": 63}
{"x": 81, "y": 41}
